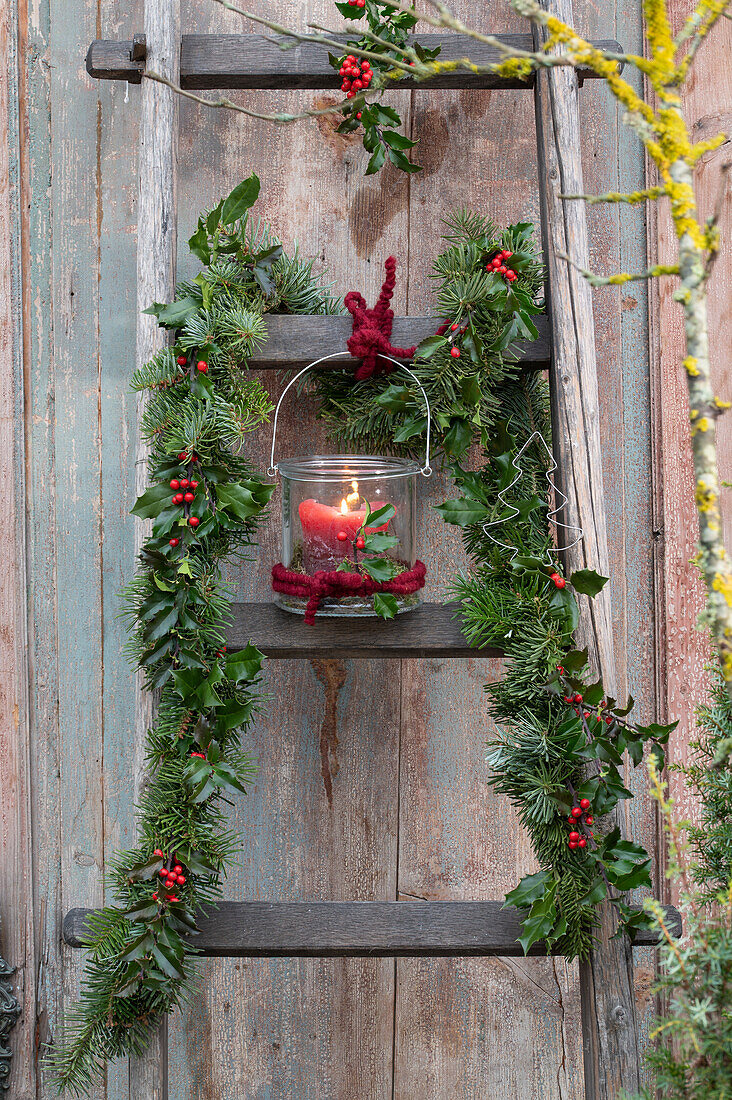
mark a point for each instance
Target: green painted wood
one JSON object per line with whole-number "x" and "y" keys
{"x": 75, "y": 270}
{"x": 34, "y": 41}
{"x": 117, "y": 142}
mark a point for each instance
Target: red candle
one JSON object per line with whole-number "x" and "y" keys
{"x": 321, "y": 526}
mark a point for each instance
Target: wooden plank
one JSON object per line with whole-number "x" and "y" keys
{"x": 430, "y": 630}
{"x": 321, "y": 929}
{"x": 257, "y": 61}
{"x": 17, "y": 933}
{"x": 294, "y": 341}
{"x": 609, "y": 1024}
{"x": 156, "y": 270}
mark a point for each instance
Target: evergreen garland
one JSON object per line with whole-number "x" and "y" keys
{"x": 562, "y": 741}
{"x": 202, "y": 405}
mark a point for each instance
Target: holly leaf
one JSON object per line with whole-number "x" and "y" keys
{"x": 150, "y": 503}
{"x": 458, "y": 437}
{"x": 174, "y": 314}
{"x": 463, "y": 512}
{"x": 529, "y": 890}
{"x": 241, "y": 199}
{"x": 380, "y": 517}
{"x": 377, "y": 544}
{"x": 394, "y": 398}
{"x": 379, "y": 569}
{"x": 588, "y": 582}
{"x": 199, "y": 245}
{"x": 395, "y": 140}
{"x": 238, "y": 500}
{"x": 385, "y": 605}
{"x": 429, "y": 346}
{"x": 377, "y": 158}
{"x": 244, "y": 665}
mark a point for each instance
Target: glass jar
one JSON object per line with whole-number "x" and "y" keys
{"x": 325, "y": 502}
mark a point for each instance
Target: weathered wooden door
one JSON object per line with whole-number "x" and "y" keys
{"x": 372, "y": 779}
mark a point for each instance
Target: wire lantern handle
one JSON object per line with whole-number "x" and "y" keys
{"x": 426, "y": 469}
{"x": 516, "y": 512}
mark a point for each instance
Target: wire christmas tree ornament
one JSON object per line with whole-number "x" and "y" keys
{"x": 551, "y": 515}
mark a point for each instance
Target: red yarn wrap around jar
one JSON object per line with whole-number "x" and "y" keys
{"x": 327, "y": 583}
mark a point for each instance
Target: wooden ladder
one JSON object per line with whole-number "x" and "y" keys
{"x": 566, "y": 346}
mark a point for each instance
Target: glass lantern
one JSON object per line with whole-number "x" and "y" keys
{"x": 325, "y": 501}
{"x": 326, "y": 504}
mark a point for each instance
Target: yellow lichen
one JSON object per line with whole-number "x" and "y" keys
{"x": 690, "y": 366}
{"x": 706, "y": 497}
{"x": 723, "y": 583}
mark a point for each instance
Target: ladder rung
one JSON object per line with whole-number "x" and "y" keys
{"x": 431, "y": 630}
{"x": 294, "y": 341}
{"x": 319, "y": 929}
{"x": 209, "y": 61}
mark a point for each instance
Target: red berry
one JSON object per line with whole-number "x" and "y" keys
{"x": 573, "y": 844}
{"x": 177, "y": 868}
{"x": 202, "y": 366}
{"x": 155, "y": 897}
{"x": 453, "y": 328}
{"x": 183, "y": 456}
{"x": 501, "y": 269}
{"x": 358, "y": 115}
{"x": 577, "y": 697}
{"x": 358, "y": 85}
{"x": 194, "y": 521}
{"x": 360, "y": 3}
{"x": 158, "y": 852}
{"x": 201, "y": 755}
{"x": 175, "y": 484}
{"x": 609, "y": 719}
{"x": 585, "y": 803}
{"x": 587, "y": 714}
{"x": 569, "y": 698}
{"x": 189, "y": 498}
{"x": 345, "y": 85}
{"x": 178, "y": 498}
{"x": 582, "y": 842}
{"x": 572, "y": 822}
{"x": 366, "y": 65}
{"x": 181, "y": 880}
{"x": 342, "y": 536}
{"x": 455, "y": 353}
{"x": 560, "y": 669}
{"x": 589, "y": 819}
{"x": 506, "y": 254}
{"x": 182, "y": 360}
{"x": 553, "y": 576}
{"x": 576, "y": 812}
{"x": 560, "y": 582}
{"x": 171, "y": 897}
{"x": 360, "y": 543}
{"x": 350, "y": 95}
{"x": 173, "y": 542}
{"x": 598, "y": 718}
{"x": 574, "y": 835}
{"x": 184, "y": 483}
{"x": 350, "y": 58}
{"x": 194, "y": 485}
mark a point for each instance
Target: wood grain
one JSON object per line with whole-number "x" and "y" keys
{"x": 612, "y": 1060}
{"x": 156, "y": 265}
{"x": 316, "y": 929}
{"x": 258, "y": 61}
{"x": 17, "y": 933}
{"x": 431, "y": 630}
{"x": 294, "y": 341}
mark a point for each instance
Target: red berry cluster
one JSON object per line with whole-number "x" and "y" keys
{"x": 188, "y": 487}
{"x": 498, "y": 264}
{"x": 201, "y": 365}
{"x": 356, "y": 76}
{"x": 577, "y": 839}
{"x": 359, "y": 543}
{"x": 558, "y": 580}
{"x": 171, "y": 876}
{"x": 574, "y": 700}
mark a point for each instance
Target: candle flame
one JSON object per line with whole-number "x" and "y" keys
{"x": 352, "y": 500}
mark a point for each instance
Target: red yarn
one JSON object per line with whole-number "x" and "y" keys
{"x": 372, "y": 328}
{"x": 332, "y": 583}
